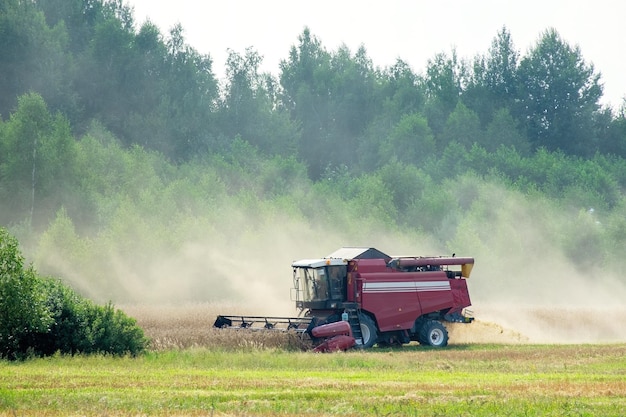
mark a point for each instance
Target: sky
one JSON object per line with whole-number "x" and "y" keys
{"x": 412, "y": 30}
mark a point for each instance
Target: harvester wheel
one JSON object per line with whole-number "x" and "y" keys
{"x": 433, "y": 333}
{"x": 369, "y": 331}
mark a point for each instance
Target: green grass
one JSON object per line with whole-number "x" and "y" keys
{"x": 471, "y": 380}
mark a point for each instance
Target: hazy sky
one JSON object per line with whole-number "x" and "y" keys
{"x": 412, "y": 30}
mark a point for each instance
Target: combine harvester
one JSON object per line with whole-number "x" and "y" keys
{"x": 361, "y": 297}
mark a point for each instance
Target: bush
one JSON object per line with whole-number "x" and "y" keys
{"x": 41, "y": 316}
{"x": 80, "y": 326}
{"x": 23, "y": 312}
{"x": 114, "y": 332}
{"x": 69, "y": 333}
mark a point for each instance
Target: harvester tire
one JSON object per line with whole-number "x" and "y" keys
{"x": 369, "y": 331}
{"x": 433, "y": 333}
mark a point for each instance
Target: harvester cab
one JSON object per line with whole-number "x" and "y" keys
{"x": 320, "y": 284}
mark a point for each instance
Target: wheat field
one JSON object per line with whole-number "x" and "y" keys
{"x": 191, "y": 326}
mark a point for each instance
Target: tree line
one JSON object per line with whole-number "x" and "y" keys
{"x": 90, "y": 60}
{"x": 115, "y": 136}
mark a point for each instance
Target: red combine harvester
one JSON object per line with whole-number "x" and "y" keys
{"x": 361, "y": 297}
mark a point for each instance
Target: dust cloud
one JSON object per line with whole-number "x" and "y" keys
{"x": 524, "y": 286}
{"x": 245, "y": 264}
{"x": 538, "y": 277}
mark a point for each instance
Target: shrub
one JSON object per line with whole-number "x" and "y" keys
{"x": 41, "y": 316}
{"x": 81, "y": 326}
{"x": 69, "y": 333}
{"x": 114, "y": 332}
{"x": 23, "y": 312}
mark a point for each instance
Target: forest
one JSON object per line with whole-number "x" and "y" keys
{"x": 134, "y": 174}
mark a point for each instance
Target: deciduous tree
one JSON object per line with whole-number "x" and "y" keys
{"x": 492, "y": 81}
{"x": 559, "y": 94}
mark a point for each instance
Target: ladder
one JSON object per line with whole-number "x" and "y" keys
{"x": 355, "y": 325}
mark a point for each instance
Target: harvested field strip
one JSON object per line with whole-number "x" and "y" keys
{"x": 463, "y": 380}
